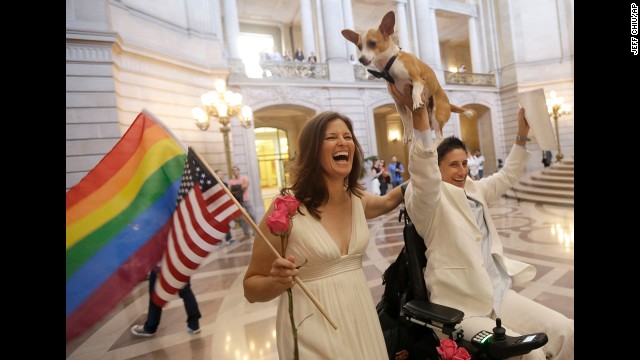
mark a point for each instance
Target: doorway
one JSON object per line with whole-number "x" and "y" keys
{"x": 272, "y": 150}
{"x": 276, "y": 132}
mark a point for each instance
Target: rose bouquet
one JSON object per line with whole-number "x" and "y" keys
{"x": 449, "y": 350}
{"x": 279, "y": 224}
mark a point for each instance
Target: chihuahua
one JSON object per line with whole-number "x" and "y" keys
{"x": 378, "y": 49}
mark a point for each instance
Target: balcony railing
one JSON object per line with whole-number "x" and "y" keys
{"x": 361, "y": 73}
{"x": 294, "y": 70}
{"x": 457, "y": 78}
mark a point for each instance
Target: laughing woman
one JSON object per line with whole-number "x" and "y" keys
{"x": 329, "y": 236}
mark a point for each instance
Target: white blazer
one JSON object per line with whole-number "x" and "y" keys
{"x": 455, "y": 273}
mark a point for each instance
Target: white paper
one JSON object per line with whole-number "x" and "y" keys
{"x": 537, "y": 115}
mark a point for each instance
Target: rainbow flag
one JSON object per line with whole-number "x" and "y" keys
{"x": 118, "y": 220}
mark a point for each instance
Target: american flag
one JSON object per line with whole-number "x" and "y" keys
{"x": 199, "y": 223}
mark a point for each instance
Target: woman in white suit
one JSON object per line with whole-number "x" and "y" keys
{"x": 466, "y": 267}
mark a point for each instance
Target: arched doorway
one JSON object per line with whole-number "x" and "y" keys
{"x": 276, "y": 134}
{"x": 477, "y": 133}
{"x": 272, "y": 151}
{"x": 389, "y": 133}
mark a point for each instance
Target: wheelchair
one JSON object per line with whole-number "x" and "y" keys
{"x": 410, "y": 321}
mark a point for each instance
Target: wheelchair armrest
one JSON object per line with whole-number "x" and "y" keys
{"x": 427, "y": 312}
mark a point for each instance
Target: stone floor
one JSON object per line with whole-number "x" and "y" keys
{"x": 232, "y": 328}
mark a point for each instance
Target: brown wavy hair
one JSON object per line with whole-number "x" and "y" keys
{"x": 306, "y": 174}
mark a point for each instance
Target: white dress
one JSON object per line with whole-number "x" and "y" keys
{"x": 339, "y": 284}
{"x": 375, "y": 186}
{"x": 473, "y": 167}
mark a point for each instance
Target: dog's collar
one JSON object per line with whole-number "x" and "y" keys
{"x": 385, "y": 73}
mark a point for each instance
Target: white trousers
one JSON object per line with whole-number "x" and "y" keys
{"x": 521, "y": 315}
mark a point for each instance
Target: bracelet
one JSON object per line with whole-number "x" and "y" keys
{"x": 522, "y": 138}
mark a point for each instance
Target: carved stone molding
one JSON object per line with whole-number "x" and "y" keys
{"x": 157, "y": 67}
{"x": 89, "y": 53}
{"x": 373, "y": 96}
{"x": 259, "y": 96}
{"x": 489, "y": 99}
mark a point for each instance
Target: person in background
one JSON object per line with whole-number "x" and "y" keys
{"x": 239, "y": 185}
{"x": 376, "y": 172}
{"x": 154, "y": 313}
{"x": 396, "y": 169}
{"x": 287, "y": 55}
{"x": 547, "y": 157}
{"x": 312, "y": 58}
{"x": 227, "y": 237}
{"x": 384, "y": 178}
{"x": 329, "y": 237}
{"x": 472, "y": 165}
{"x": 276, "y": 56}
{"x": 462, "y": 68}
{"x": 298, "y": 55}
{"x": 467, "y": 268}
{"x": 480, "y": 161}
{"x": 375, "y": 186}
{"x": 265, "y": 55}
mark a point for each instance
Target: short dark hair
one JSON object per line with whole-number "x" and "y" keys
{"x": 307, "y": 178}
{"x": 449, "y": 144}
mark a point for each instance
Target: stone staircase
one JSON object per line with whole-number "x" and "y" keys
{"x": 552, "y": 185}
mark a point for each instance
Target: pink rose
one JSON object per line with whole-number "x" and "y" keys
{"x": 447, "y": 349}
{"x": 278, "y": 222}
{"x": 461, "y": 354}
{"x": 287, "y": 202}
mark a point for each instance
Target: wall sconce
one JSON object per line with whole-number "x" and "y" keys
{"x": 221, "y": 105}
{"x": 393, "y": 135}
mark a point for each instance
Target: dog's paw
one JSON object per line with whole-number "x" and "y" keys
{"x": 417, "y": 102}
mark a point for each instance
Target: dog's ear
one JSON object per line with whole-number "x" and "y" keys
{"x": 351, "y": 35}
{"x": 387, "y": 24}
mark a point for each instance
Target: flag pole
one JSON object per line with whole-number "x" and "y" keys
{"x": 259, "y": 232}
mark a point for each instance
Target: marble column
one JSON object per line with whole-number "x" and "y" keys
{"x": 306, "y": 22}
{"x": 217, "y": 13}
{"x": 232, "y": 28}
{"x": 401, "y": 25}
{"x": 201, "y": 16}
{"x": 322, "y": 51}
{"x": 332, "y": 18}
{"x": 338, "y": 64}
{"x": 429, "y": 47}
{"x": 348, "y": 24}
{"x": 474, "y": 47}
{"x": 414, "y": 29}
